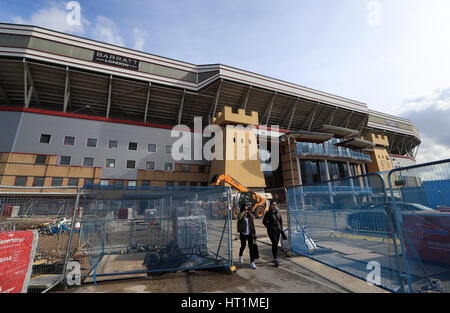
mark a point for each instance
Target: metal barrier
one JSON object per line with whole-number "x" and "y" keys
{"x": 50, "y": 211}
{"x": 8, "y": 226}
{"x": 345, "y": 224}
{"x": 138, "y": 230}
{"x": 420, "y": 198}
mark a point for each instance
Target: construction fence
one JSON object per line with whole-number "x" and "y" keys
{"x": 143, "y": 230}
{"x": 394, "y": 236}
{"x": 49, "y": 211}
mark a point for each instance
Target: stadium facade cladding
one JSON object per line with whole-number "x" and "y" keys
{"x": 67, "y": 99}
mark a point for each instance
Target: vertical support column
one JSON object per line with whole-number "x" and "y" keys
{"x": 270, "y": 107}
{"x": 212, "y": 111}
{"x": 366, "y": 181}
{"x": 25, "y": 84}
{"x": 292, "y": 113}
{"x": 327, "y": 177}
{"x": 66, "y": 91}
{"x": 300, "y": 183}
{"x": 351, "y": 183}
{"x": 147, "y": 102}
{"x": 180, "y": 111}
{"x": 108, "y": 107}
{"x": 244, "y": 106}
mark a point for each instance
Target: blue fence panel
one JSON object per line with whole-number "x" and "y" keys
{"x": 346, "y": 224}
{"x": 136, "y": 230}
{"x": 421, "y": 202}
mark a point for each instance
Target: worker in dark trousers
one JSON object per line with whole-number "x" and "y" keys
{"x": 274, "y": 224}
{"x": 247, "y": 233}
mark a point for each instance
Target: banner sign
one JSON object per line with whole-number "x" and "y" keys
{"x": 113, "y": 59}
{"x": 17, "y": 251}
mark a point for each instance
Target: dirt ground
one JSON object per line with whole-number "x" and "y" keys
{"x": 295, "y": 274}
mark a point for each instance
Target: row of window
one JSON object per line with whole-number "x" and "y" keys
{"x": 21, "y": 181}
{"x": 111, "y": 163}
{"x": 112, "y": 144}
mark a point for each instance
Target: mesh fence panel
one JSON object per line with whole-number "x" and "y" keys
{"x": 48, "y": 210}
{"x": 421, "y": 203}
{"x": 345, "y": 224}
{"x": 139, "y": 230}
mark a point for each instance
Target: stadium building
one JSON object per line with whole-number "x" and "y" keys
{"x": 75, "y": 111}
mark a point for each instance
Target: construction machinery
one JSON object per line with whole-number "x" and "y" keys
{"x": 257, "y": 203}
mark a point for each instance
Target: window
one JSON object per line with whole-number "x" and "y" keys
{"x": 69, "y": 141}
{"x": 145, "y": 183}
{"x": 151, "y": 148}
{"x": 88, "y": 181}
{"x": 131, "y": 164}
{"x": 201, "y": 169}
{"x": 73, "y": 181}
{"x": 185, "y": 167}
{"x": 170, "y": 184}
{"x": 168, "y": 166}
{"x": 118, "y": 183}
{"x": 88, "y": 162}
{"x": 168, "y": 149}
{"x": 113, "y": 144}
{"x": 91, "y": 142}
{"x": 182, "y": 183}
{"x": 132, "y": 146}
{"x": 104, "y": 182}
{"x": 38, "y": 181}
{"x": 45, "y": 138}
{"x": 40, "y": 159}
{"x": 111, "y": 163}
{"x": 65, "y": 160}
{"x": 57, "y": 181}
{"x": 150, "y": 165}
{"x": 20, "y": 181}
{"x": 132, "y": 183}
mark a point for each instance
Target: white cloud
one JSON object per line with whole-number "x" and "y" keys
{"x": 430, "y": 112}
{"x": 106, "y": 30}
{"x": 54, "y": 17}
{"x": 139, "y": 38}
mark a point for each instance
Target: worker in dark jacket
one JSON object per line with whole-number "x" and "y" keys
{"x": 274, "y": 224}
{"x": 246, "y": 229}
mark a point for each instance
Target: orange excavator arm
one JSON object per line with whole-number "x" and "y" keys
{"x": 259, "y": 203}
{"x": 230, "y": 180}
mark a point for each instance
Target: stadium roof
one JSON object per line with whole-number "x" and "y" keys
{"x": 49, "y": 70}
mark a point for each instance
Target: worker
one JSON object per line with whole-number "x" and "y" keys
{"x": 274, "y": 224}
{"x": 247, "y": 233}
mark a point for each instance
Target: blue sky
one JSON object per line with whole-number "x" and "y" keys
{"x": 400, "y": 65}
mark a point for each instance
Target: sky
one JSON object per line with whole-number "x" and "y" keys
{"x": 393, "y": 55}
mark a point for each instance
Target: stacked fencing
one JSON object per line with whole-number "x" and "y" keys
{"x": 396, "y": 238}
{"x": 49, "y": 210}
{"x": 129, "y": 231}
{"x": 344, "y": 224}
{"x": 421, "y": 201}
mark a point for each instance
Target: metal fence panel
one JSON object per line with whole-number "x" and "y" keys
{"x": 135, "y": 230}
{"x": 421, "y": 201}
{"x": 345, "y": 224}
{"x": 49, "y": 210}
